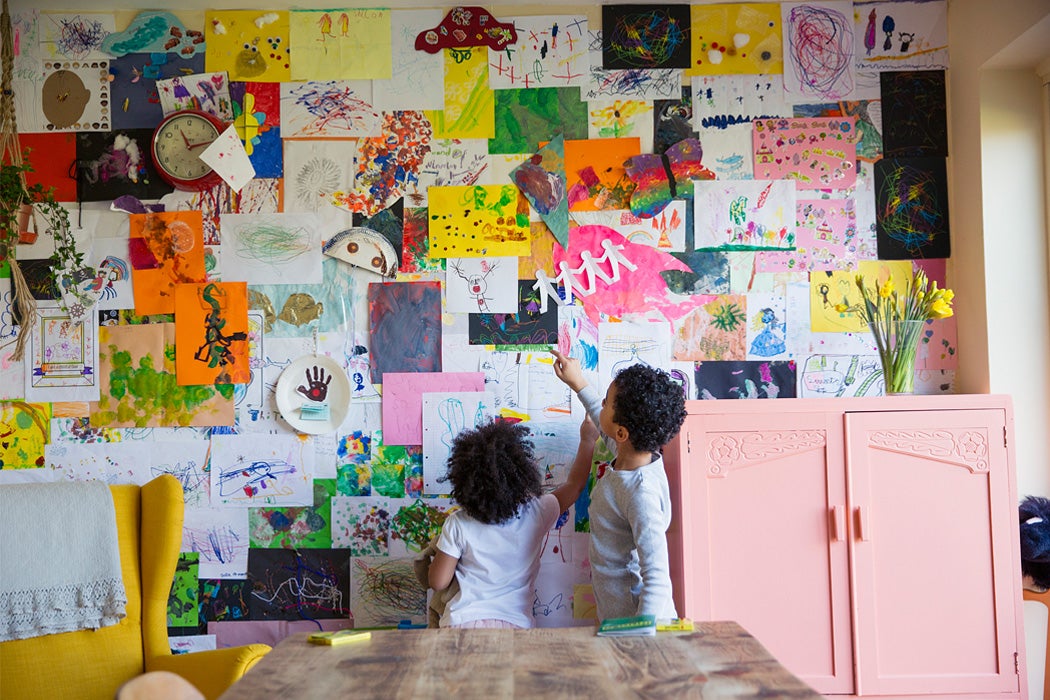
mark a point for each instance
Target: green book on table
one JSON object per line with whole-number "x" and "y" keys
{"x": 620, "y": 626}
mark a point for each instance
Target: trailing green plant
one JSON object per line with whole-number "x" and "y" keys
{"x": 16, "y": 192}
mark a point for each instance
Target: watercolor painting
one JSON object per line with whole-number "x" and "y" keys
{"x": 470, "y": 104}
{"x": 542, "y": 180}
{"x": 404, "y": 327}
{"x": 139, "y": 387}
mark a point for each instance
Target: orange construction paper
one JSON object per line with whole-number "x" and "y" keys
{"x": 165, "y": 249}
{"x": 595, "y": 175}
{"x": 211, "y": 333}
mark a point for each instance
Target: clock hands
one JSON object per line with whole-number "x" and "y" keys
{"x": 191, "y": 146}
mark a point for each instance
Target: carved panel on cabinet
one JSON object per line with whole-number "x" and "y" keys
{"x": 964, "y": 447}
{"x": 726, "y": 451}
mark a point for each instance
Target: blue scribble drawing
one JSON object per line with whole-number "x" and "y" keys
{"x": 253, "y": 479}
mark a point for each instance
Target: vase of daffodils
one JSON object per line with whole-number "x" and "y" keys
{"x": 896, "y": 319}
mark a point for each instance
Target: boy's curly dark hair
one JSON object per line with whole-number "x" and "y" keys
{"x": 493, "y": 471}
{"x": 649, "y": 405}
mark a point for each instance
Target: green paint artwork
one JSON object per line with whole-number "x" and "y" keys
{"x": 139, "y": 389}
{"x": 182, "y": 601}
{"x": 527, "y": 117}
{"x": 295, "y": 526}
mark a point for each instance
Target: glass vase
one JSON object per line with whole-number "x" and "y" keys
{"x": 898, "y": 341}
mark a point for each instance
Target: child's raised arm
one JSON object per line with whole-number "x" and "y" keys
{"x": 568, "y": 370}
{"x": 568, "y": 492}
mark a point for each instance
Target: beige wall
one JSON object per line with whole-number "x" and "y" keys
{"x": 998, "y": 202}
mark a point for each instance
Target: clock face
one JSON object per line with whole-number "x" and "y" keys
{"x": 178, "y": 143}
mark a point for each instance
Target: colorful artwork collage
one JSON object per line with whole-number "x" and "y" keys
{"x": 412, "y": 212}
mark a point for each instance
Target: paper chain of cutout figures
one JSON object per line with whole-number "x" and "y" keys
{"x": 569, "y": 278}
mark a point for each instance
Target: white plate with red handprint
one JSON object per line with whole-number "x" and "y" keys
{"x": 311, "y": 381}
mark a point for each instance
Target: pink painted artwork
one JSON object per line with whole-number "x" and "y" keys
{"x": 817, "y": 153}
{"x": 825, "y": 239}
{"x": 618, "y": 276}
{"x": 403, "y": 400}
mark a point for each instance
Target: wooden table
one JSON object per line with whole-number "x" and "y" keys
{"x": 718, "y": 660}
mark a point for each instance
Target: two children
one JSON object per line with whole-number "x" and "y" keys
{"x": 492, "y": 545}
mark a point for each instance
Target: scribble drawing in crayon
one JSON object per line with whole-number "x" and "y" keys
{"x": 477, "y": 284}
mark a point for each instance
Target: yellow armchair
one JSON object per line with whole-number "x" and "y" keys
{"x": 91, "y": 664}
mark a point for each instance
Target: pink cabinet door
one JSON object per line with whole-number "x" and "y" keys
{"x": 931, "y": 531}
{"x": 763, "y": 528}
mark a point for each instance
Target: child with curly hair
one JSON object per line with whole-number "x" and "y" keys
{"x": 630, "y": 509}
{"x": 492, "y": 545}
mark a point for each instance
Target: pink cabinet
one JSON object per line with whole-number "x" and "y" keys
{"x": 871, "y": 544}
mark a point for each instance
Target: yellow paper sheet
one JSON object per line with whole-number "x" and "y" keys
{"x": 480, "y": 220}
{"x": 736, "y": 38}
{"x": 341, "y": 44}
{"x": 248, "y": 44}
{"x": 470, "y": 105}
{"x": 829, "y": 289}
{"x": 211, "y": 333}
{"x": 24, "y": 430}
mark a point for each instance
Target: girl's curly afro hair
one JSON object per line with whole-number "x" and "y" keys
{"x": 493, "y": 471}
{"x": 649, "y": 405}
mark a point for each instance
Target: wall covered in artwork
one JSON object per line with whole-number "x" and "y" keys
{"x": 319, "y": 243}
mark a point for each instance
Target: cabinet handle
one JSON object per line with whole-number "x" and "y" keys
{"x": 838, "y": 524}
{"x": 860, "y": 521}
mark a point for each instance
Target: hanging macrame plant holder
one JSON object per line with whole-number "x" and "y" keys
{"x": 11, "y": 153}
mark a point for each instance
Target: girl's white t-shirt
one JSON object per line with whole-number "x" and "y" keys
{"x": 497, "y": 563}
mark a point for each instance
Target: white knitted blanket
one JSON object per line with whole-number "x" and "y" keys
{"x": 59, "y": 559}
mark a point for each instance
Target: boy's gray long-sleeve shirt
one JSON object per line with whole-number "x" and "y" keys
{"x": 630, "y": 512}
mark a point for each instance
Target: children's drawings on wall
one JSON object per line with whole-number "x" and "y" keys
{"x": 530, "y": 325}
{"x": 166, "y": 249}
{"x": 155, "y": 31}
{"x": 272, "y": 248}
{"x": 897, "y": 36}
{"x": 26, "y": 430}
{"x": 915, "y": 113}
{"x": 257, "y": 120}
{"x": 340, "y": 43}
{"x": 645, "y": 36}
{"x": 416, "y": 76}
{"x": 261, "y": 469}
{"x": 220, "y": 537}
{"x": 469, "y": 111}
{"x": 384, "y": 591}
{"x": 211, "y": 333}
{"x": 551, "y": 51}
{"x": 542, "y": 180}
{"x": 836, "y": 376}
{"x": 728, "y": 100}
{"x": 911, "y": 200}
{"x": 818, "y": 50}
{"x": 624, "y": 344}
{"x": 362, "y": 524}
{"x": 403, "y": 400}
{"x": 814, "y": 153}
{"x": 744, "y": 215}
{"x": 328, "y": 109}
{"x": 745, "y": 380}
{"x": 404, "y": 327}
{"x": 62, "y": 356}
{"x": 248, "y": 44}
{"x": 478, "y": 221}
{"x": 714, "y": 330}
{"x": 736, "y": 38}
{"x": 139, "y": 387}
{"x": 112, "y": 164}
{"x": 825, "y": 239}
{"x": 766, "y": 327}
{"x": 446, "y": 415}
{"x": 207, "y": 92}
{"x": 296, "y": 584}
{"x": 75, "y": 36}
{"x": 449, "y": 162}
{"x": 315, "y": 171}
{"x": 481, "y": 285}
{"x": 627, "y": 83}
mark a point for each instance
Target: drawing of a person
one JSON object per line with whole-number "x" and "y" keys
{"x": 770, "y": 341}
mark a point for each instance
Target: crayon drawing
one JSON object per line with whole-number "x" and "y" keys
{"x": 911, "y": 200}
{"x": 744, "y": 215}
{"x": 384, "y": 591}
{"x": 551, "y": 51}
{"x": 446, "y": 415}
{"x": 252, "y": 470}
{"x": 296, "y": 584}
{"x": 818, "y": 50}
{"x": 220, "y": 537}
{"x": 272, "y": 248}
{"x": 328, "y": 109}
{"x": 529, "y": 326}
{"x": 900, "y": 36}
{"x": 62, "y": 357}
{"x": 645, "y": 36}
{"x": 340, "y": 44}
